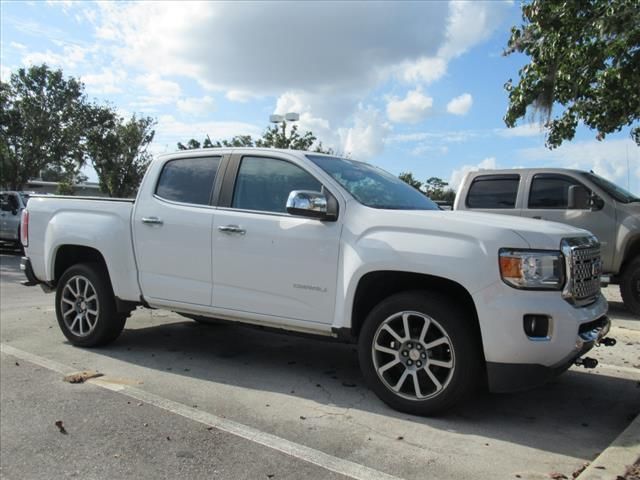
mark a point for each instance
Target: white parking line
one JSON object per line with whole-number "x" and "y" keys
{"x": 316, "y": 457}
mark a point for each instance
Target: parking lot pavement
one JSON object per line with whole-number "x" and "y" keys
{"x": 310, "y": 392}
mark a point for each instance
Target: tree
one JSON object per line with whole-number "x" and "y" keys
{"x": 41, "y": 116}
{"x": 584, "y": 56}
{"x": 117, "y": 150}
{"x": 407, "y": 177}
{"x": 274, "y": 137}
{"x": 435, "y": 187}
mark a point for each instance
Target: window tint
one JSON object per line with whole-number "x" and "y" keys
{"x": 550, "y": 191}
{"x": 188, "y": 180}
{"x": 493, "y": 192}
{"x": 265, "y": 183}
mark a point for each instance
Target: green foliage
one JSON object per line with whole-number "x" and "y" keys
{"x": 435, "y": 187}
{"x": 41, "y": 125}
{"x": 65, "y": 188}
{"x": 585, "y": 56}
{"x": 274, "y": 137}
{"x": 117, "y": 150}
{"x": 407, "y": 177}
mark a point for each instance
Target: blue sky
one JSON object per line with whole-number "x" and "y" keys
{"x": 407, "y": 86}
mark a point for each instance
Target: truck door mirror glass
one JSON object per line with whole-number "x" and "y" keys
{"x": 579, "y": 198}
{"x": 307, "y": 203}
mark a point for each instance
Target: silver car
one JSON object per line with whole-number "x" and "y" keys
{"x": 11, "y": 206}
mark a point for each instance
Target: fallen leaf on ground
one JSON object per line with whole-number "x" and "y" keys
{"x": 81, "y": 377}
{"x": 60, "y": 426}
{"x": 579, "y": 470}
{"x": 557, "y": 476}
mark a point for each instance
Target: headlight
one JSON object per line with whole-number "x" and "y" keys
{"x": 531, "y": 269}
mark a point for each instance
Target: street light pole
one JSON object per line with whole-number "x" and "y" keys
{"x": 283, "y": 119}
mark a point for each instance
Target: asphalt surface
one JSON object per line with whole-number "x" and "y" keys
{"x": 301, "y": 390}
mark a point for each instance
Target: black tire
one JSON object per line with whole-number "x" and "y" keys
{"x": 107, "y": 322}
{"x": 462, "y": 350}
{"x": 630, "y": 286}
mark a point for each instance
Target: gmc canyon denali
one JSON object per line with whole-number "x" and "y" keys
{"x": 438, "y": 301}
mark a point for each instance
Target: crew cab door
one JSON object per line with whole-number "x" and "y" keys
{"x": 265, "y": 260}
{"x": 494, "y": 193}
{"x": 172, "y": 231}
{"x": 548, "y": 199}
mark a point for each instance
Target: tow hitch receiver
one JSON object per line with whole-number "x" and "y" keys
{"x": 586, "y": 362}
{"x": 607, "y": 342}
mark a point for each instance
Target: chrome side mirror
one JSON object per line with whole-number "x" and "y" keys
{"x": 307, "y": 204}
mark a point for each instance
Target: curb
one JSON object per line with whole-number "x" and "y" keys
{"x": 614, "y": 461}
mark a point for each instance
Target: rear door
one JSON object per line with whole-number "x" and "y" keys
{"x": 494, "y": 193}
{"x": 548, "y": 199}
{"x": 172, "y": 231}
{"x": 270, "y": 262}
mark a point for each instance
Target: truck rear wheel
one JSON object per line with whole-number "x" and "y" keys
{"x": 86, "y": 307}
{"x": 418, "y": 353}
{"x": 630, "y": 286}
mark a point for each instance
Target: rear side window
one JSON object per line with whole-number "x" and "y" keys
{"x": 494, "y": 191}
{"x": 188, "y": 180}
{"x": 264, "y": 184}
{"x": 550, "y": 191}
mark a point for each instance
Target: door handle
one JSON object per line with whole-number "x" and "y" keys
{"x": 537, "y": 218}
{"x": 232, "y": 229}
{"x": 152, "y": 220}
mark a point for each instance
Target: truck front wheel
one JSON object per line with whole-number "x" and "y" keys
{"x": 86, "y": 307}
{"x": 630, "y": 286}
{"x": 418, "y": 352}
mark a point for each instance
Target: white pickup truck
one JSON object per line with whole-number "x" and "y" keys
{"x": 438, "y": 301}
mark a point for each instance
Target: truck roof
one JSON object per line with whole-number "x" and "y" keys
{"x": 524, "y": 171}
{"x": 222, "y": 150}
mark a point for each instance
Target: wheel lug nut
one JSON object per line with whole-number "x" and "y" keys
{"x": 405, "y": 353}
{"x": 419, "y": 347}
{"x": 409, "y": 345}
{"x": 424, "y": 355}
{"x": 409, "y": 362}
{"x": 419, "y": 363}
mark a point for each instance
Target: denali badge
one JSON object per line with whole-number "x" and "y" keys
{"x": 310, "y": 287}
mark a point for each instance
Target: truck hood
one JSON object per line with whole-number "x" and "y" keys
{"x": 509, "y": 230}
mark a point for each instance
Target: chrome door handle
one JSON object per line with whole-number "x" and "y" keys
{"x": 232, "y": 229}
{"x": 152, "y": 220}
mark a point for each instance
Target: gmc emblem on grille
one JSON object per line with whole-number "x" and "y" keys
{"x": 596, "y": 268}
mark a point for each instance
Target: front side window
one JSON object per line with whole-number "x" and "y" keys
{"x": 496, "y": 191}
{"x": 264, "y": 184}
{"x": 550, "y": 191}
{"x": 372, "y": 186}
{"x": 188, "y": 180}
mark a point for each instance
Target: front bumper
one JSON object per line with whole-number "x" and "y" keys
{"x": 512, "y": 377}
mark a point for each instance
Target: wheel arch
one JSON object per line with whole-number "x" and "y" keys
{"x": 373, "y": 287}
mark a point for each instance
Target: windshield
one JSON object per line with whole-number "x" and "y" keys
{"x": 372, "y": 186}
{"x": 618, "y": 193}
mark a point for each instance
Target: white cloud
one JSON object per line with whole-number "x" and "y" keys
{"x": 367, "y": 137}
{"x": 5, "y": 73}
{"x": 469, "y": 23}
{"x": 617, "y": 160}
{"x": 269, "y": 48}
{"x": 525, "y": 130}
{"x": 172, "y": 131}
{"x": 241, "y": 96}
{"x": 160, "y": 91}
{"x": 412, "y": 109}
{"x": 195, "y": 106}
{"x": 109, "y": 81}
{"x": 425, "y": 70}
{"x": 460, "y": 105}
{"x": 71, "y": 56}
{"x": 458, "y": 174}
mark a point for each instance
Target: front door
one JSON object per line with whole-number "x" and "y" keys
{"x": 548, "y": 200}
{"x": 172, "y": 232}
{"x": 267, "y": 261}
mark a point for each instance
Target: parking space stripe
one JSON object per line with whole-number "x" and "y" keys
{"x": 302, "y": 452}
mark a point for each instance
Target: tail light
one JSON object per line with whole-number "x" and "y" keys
{"x": 24, "y": 228}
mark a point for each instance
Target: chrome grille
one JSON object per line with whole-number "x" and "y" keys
{"x": 584, "y": 267}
